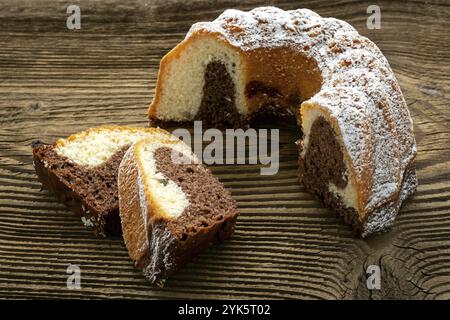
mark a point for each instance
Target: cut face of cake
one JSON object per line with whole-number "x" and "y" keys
{"x": 327, "y": 170}
{"x": 82, "y": 171}
{"x": 171, "y": 207}
{"x": 357, "y": 149}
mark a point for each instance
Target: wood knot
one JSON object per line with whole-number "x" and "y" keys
{"x": 34, "y": 106}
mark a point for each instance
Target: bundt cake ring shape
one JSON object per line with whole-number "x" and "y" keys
{"x": 357, "y": 149}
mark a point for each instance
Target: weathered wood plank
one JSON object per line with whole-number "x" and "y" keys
{"x": 54, "y": 82}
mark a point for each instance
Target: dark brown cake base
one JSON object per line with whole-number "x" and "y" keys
{"x": 316, "y": 170}
{"x": 91, "y": 193}
{"x": 209, "y": 219}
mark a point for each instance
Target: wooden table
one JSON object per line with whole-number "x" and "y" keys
{"x": 55, "y": 81}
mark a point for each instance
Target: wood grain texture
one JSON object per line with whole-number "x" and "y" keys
{"x": 54, "y": 82}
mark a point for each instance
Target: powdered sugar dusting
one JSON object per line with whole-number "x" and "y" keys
{"x": 384, "y": 217}
{"x": 359, "y": 88}
{"x": 143, "y": 205}
{"x": 161, "y": 254}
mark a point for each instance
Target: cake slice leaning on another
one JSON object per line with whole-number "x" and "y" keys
{"x": 82, "y": 171}
{"x": 171, "y": 207}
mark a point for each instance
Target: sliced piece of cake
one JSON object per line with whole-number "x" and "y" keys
{"x": 82, "y": 171}
{"x": 171, "y": 207}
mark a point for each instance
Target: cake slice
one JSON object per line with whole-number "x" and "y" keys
{"x": 171, "y": 207}
{"x": 82, "y": 171}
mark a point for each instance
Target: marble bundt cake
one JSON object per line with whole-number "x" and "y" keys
{"x": 357, "y": 148}
{"x": 171, "y": 207}
{"x": 82, "y": 171}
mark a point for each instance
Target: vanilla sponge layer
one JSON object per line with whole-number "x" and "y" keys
{"x": 165, "y": 195}
{"x": 182, "y": 89}
{"x": 94, "y": 146}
